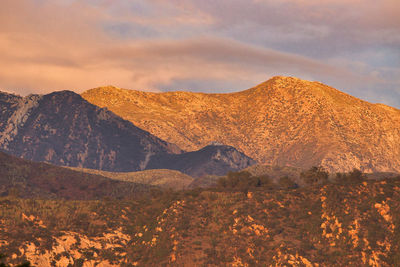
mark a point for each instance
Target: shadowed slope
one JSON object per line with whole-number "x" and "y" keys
{"x": 64, "y": 129}
{"x": 210, "y": 160}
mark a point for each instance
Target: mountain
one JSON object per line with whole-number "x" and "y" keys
{"x": 64, "y": 129}
{"x": 210, "y": 160}
{"x": 283, "y": 121}
{"x": 163, "y": 178}
{"x": 331, "y": 225}
{"x": 41, "y": 180}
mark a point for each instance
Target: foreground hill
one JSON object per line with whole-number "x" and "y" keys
{"x": 354, "y": 224}
{"x": 64, "y": 129}
{"x": 163, "y": 178}
{"x": 284, "y": 121}
{"x": 41, "y": 180}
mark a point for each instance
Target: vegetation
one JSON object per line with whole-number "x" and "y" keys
{"x": 286, "y": 183}
{"x": 341, "y": 223}
{"x": 244, "y": 181}
{"x": 314, "y": 176}
{"x": 3, "y": 264}
{"x": 355, "y": 176}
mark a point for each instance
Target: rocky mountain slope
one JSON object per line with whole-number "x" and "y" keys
{"x": 284, "y": 121}
{"x": 330, "y": 225}
{"x": 64, "y": 129}
{"x": 41, "y": 180}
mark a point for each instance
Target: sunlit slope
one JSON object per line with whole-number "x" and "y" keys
{"x": 163, "y": 178}
{"x": 284, "y": 121}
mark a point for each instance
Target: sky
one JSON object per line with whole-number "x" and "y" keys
{"x": 200, "y": 45}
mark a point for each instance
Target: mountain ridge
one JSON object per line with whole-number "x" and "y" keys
{"x": 283, "y": 121}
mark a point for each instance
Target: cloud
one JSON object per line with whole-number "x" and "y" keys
{"x": 197, "y": 45}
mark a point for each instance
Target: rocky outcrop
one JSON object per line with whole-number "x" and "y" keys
{"x": 284, "y": 121}
{"x": 21, "y": 109}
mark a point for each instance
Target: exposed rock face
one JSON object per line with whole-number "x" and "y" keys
{"x": 64, "y": 129}
{"x": 284, "y": 121}
{"x": 210, "y": 160}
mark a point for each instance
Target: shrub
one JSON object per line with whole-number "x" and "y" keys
{"x": 314, "y": 176}
{"x": 244, "y": 181}
{"x": 355, "y": 176}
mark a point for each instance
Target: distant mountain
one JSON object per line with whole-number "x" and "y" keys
{"x": 163, "y": 178}
{"x": 41, "y": 180}
{"x": 210, "y": 160}
{"x": 284, "y": 121}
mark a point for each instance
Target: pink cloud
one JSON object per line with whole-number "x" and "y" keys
{"x": 52, "y": 46}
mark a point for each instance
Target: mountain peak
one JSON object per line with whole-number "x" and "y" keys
{"x": 64, "y": 129}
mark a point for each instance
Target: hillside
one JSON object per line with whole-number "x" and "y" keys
{"x": 163, "y": 178}
{"x": 284, "y": 121}
{"x": 41, "y": 180}
{"x": 331, "y": 225}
